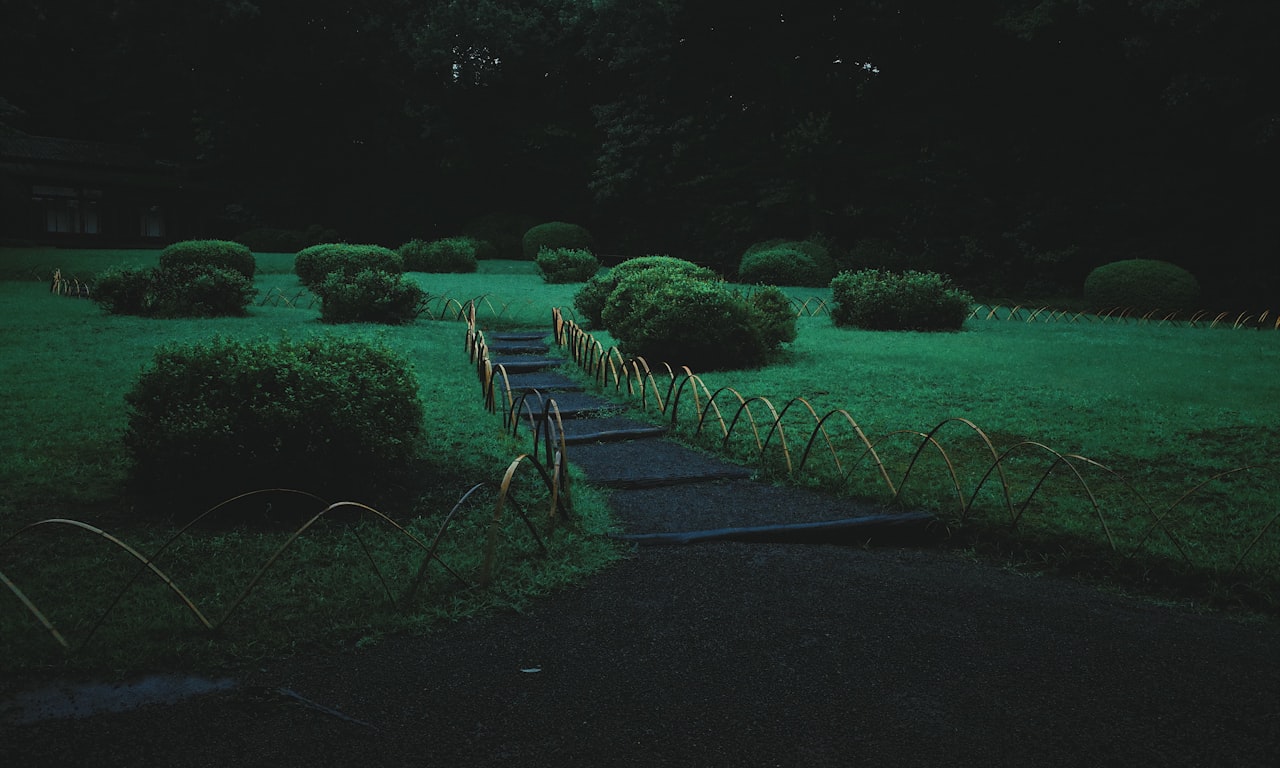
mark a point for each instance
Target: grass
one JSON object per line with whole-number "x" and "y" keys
{"x": 66, "y": 368}
{"x": 1164, "y": 406}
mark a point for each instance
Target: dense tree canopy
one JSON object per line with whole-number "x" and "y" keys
{"x": 1015, "y": 144}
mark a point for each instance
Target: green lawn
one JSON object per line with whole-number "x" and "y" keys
{"x": 66, "y": 367}
{"x": 1164, "y": 406}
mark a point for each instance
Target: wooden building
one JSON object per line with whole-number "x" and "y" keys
{"x": 90, "y": 194}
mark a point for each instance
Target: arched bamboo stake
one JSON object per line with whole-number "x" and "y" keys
{"x": 411, "y": 592}
{"x": 1160, "y": 518}
{"x": 673, "y": 403}
{"x": 491, "y": 548}
{"x": 1267, "y": 526}
{"x": 928, "y": 439}
{"x": 870, "y": 449}
{"x": 253, "y": 583}
{"x": 1059, "y": 458}
{"x": 745, "y": 406}
{"x": 782, "y": 437}
{"x": 145, "y": 562}
{"x": 1004, "y": 481}
{"x": 34, "y": 611}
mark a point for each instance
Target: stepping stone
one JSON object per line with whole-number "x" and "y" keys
{"x": 543, "y": 382}
{"x": 730, "y": 504}
{"x": 570, "y": 404}
{"x": 607, "y": 429}
{"x": 525, "y": 363}
{"x": 518, "y": 335}
{"x": 902, "y": 528}
{"x": 518, "y": 348}
{"x": 649, "y": 464}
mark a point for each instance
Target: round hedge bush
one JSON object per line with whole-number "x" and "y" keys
{"x": 225, "y": 254}
{"x": 664, "y": 315}
{"x": 193, "y": 290}
{"x": 880, "y": 300}
{"x": 333, "y": 416}
{"x": 369, "y": 296}
{"x": 567, "y": 265}
{"x": 313, "y": 264}
{"x": 450, "y": 254}
{"x": 555, "y": 234}
{"x": 590, "y": 299}
{"x": 778, "y": 262}
{"x": 1141, "y": 285}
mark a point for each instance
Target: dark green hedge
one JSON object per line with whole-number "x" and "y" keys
{"x": 225, "y": 254}
{"x": 555, "y": 234}
{"x": 1141, "y": 285}
{"x": 450, "y": 254}
{"x": 334, "y": 416}
{"x": 880, "y": 300}
{"x": 313, "y": 264}
{"x": 567, "y": 265}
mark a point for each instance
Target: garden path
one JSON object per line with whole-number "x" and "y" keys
{"x": 741, "y": 654}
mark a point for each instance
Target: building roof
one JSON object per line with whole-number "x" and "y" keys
{"x": 22, "y": 148}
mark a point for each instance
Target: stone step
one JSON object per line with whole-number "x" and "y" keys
{"x": 518, "y": 335}
{"x": 525, "y": 363}
{"x": 541, "y": 382}
{"x": 607, "y": 429}
{"x": 517, "y": 348}
{"x": 570, "y": 404}
{"x": 650, "y": 463}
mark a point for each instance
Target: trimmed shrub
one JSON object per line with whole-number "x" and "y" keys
{"x": 666, "y": 316}
{"x": 451, "y": 254}
{"x": 1141, "y": 285}
{"x": 500, "y": 235}
{"x": 123, "y": 290}
{"x": 370, "y": 296}
{"x": 567, "y": 265}
{"x": 313, "y": 264}
{"x": 787, "y": 263}
{"x": 555, "y": 234}
{"x": 880, "y": 300}
{"x": 591, "y": 298}
{"x": 199, "y": 291}
{"x": 196, "y": 290}
{"x": 773, "y": 315}
{"x": 333, "y": 416}
{"x": 225, "y": 254}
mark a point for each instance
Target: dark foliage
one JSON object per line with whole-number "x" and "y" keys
{"x": 369, "y": 296}
{"x": 784, "y": 262}
{"x": 225, "y": 254}
{"x": 667, "y": 316}
{"x": 591, "y": 298}
{"x": 175, "y": 291}
{"x": 880, "y": 300}
{"x": 1141, "y": 285}
{"x": 567, "y": 265}
{"x": 451, "y": 254}
{"x": 335, "y": 417}
{"x": 555, "y": 234}
{"x": 317, "y": 262}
